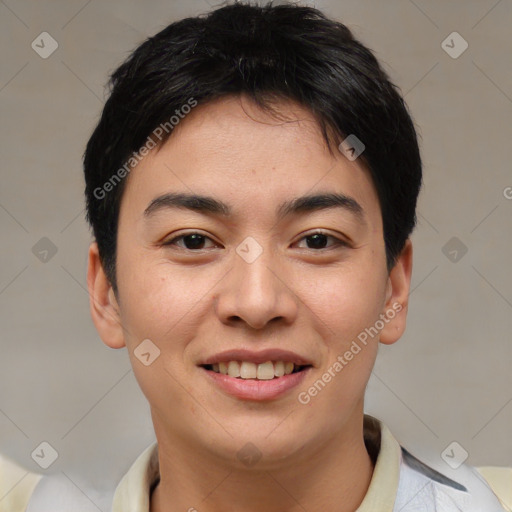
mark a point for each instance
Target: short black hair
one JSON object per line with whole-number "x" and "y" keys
{"x": 269, "y": 53}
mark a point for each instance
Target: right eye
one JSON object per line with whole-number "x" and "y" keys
{"x": 192, "y": 241}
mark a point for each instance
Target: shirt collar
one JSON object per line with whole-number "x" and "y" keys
{"x": 133, "y": 491}
{"x": 381, "y": 493}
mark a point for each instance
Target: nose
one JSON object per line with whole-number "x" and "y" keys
{"x": 257, "y": 293}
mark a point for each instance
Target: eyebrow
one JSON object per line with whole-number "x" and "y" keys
{"x": 211, "y": 206}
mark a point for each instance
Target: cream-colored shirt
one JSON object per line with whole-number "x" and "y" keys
{"x": 400, "y": 482}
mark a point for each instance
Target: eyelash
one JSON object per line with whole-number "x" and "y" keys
{"x": 338, "y": 242}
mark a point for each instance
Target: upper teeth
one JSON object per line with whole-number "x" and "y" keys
{"x": 248, "y": 370}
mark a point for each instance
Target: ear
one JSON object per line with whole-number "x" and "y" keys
{"x": 102, "y": 302}
{"x": 397, "y": 297}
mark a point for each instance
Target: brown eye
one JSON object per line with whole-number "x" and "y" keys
{"x": 319, "y": 240}
{"x": 191, "y": 241}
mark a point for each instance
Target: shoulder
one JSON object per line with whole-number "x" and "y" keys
{"x": 24, "y": 491}
{"x": 449, "y": 490}
{"x": 500, "y": 481}
{"x": 16, "y": 485}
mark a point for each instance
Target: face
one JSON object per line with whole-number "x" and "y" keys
{"x": 254, "y": 277}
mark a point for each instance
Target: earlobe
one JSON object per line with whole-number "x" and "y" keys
{"x": 102, "y": 301}
{"x": 397, "y": 296}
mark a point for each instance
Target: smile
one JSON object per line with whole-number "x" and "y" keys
{"x": 248, "y": 370}
{"x": 256, "y": 382}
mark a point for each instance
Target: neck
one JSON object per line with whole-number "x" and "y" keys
{"x": 333, "y": 476}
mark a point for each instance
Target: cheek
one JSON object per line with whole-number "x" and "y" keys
{"x": 346, "y": 301}
{"x": 161, "y": 306}
{"x": 156, "y": 305}
{"x": 348, "y": 304}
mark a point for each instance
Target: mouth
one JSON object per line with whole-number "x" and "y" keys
{"x": 256, "y": 376}
{"x": 247, "y": 370}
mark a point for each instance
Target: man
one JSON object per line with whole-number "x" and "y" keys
{"x": 252, "y": 186}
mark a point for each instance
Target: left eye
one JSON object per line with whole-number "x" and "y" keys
{"x": 319, "y": 240}
{"x": 196, "y": 241}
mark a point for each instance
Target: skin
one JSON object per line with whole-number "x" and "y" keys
{"x": 314, "y": 301}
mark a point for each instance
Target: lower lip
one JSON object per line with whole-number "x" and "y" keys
{"x": 259, "y": 390}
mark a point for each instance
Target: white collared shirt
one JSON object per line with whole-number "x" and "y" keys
{"x": 400, "y": 483}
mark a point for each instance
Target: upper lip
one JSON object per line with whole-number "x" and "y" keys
{"x": 262, "y": 356}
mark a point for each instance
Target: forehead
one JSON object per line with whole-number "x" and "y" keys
{"x": 232, "y": 150}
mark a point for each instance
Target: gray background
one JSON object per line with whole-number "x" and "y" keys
{"x": 448, "y": 379}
